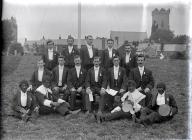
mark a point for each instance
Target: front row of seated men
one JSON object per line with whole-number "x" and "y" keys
{"x": 53, "y": 90}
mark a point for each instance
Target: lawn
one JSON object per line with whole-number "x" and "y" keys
{"x": 172, "y": 72}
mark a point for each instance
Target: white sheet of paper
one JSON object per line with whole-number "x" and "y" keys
{"x": 91, "y": 97}
{"x": 111, "y": 92}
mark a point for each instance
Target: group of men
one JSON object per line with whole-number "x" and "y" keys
{"x": 62, "y": 79}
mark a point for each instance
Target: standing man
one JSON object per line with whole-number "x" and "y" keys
{"x": 95, "y": 85}
{"x": 116, "y": 80}
{"x": 50, "y": 56}
{"x": 76, "y": 83}
{"x": 87, "y": 53}
{"x": 128, "y": 59}
{"x": 143, "y": 78}
{"x": 69, "y": 52}
{"x": 108, "y": 54}
{"x": 59, "y": 81}
{"x": 39, "y": 74}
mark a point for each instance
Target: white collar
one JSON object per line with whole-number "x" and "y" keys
{"x": 127, "y": 53}
{"x": 110, "y": 49}
{"x": 161, "y": 95}
{"x": 61, "y": 66}
{"x": 116, "y": 68}
{"x": 23, "y": 93}
{"x": 141, "y": 68}
{"x": 70, "y": 46}
{"x": 96, "y": 68}
{"x": 50, "y": 50}
{"x": 89, "y": 47}
{"x": 43, "y": 90}
{"x": 40, "y": 69}
{"x": 78, "y": 67}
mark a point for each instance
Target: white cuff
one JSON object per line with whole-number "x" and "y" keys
{"x": 47, "y": 102}
{"x": 60, "y": 101}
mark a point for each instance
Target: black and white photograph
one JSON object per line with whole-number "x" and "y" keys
{"x": 102, "y": 70}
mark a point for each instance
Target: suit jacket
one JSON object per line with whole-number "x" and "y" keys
{"x": 169, "y": 100}
{"x": 84, "y": 54}
{"x": 107, "y": 62}
{"x": 55, "y": 77}
{"x": 34, "y": 78}
{"x": 146, "y": 81}
{"x": 121, "y": 81}
{"x": 75, "y": 82}
{"x": 128, "y": 66}
{"x": 16, "y": 102}
{"x": 90, "y": 79}
{"x": 50, "y": 64}
{"x": 69, "y": 57}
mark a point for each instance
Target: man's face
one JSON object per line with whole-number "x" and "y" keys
{"x": 89, "y": 40}
{"x": 24, "y": 87}
{"x": 160, "y": 90}
{"x": 70, "y": 41}
{"x": 50, "y": 46}
{"x": 96, "y": 62}
{"x": 140, "y": 61}
{"x": 116, "y": 62}
{"x": 110, "y": 44}
{"x": 131, "y": 88}
{"x": 77, "y": 61}
{"x": 47, "y": 83}
{"x": 61, "y": 61}
{"x": 40, "y": 64}
{"x": 127, "y": 48}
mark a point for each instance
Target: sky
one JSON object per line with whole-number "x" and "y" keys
{"x": 61, "y": 19}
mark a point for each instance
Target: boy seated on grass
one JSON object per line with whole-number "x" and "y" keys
{"x": 24, "y": 103}
{"x": 131, "y": 103}
{"x": 161, "y": 108}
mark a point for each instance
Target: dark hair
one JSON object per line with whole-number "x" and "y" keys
{"x": 70, "y": 37}
{"x": 131, "y": 83}
{"x": 23, "y": 82}
{"x": 97, "y": 57}
{"x": 40, "y": 58}
{"x": 46, "y": 79}
{"x": 61, "y": 56}
{"x": 110, "y": 40}
{"x": 77, "y": 56}
{"x": 141, "y": 55}
{"x": 116, "y": 56}
{"x": 161, "y": 85}
{"x": 89, "y": 36}
{"x": 50, "y": 42}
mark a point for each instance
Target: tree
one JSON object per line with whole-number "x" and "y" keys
{"x": 163, "y": 36}
{"x": 16, "y": 46}
{"x": 181, "y": 39}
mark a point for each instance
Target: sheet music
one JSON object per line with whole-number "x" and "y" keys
{"x": 111, "y": 92}
{"x": 91, "y": 97}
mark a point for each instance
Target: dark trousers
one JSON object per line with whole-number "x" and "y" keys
{"x": 63, "y": 94}
{"x": 147, "y": 98}
{"x": 88, "y": 66}
{"x": 73, "y": 99}
{"x": 150, "y": 116}
{"x": 117, "y": 115}
{"x": 31, "y": 114}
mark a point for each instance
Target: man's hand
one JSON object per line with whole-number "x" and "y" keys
{"x": 56, "y": 88}
{"x": 88, "y": 90}
{"x": 65, "y": 87}
{"x": 22, "y": 110}
{"x": 122, "y": 99}
{"x": 36, "y": 109}
{"x": 147, "y": 90}
{"x": 68, "y": 105}
{"x": 102, "y": 91}
{"x": 55, "y": 104}
{"x": 121, "y": 90}
{"x": 73, "y": 89}
{"x": 139, "y": 89}
{"x": 79, "y": 89}
{"x": 29, "y": 88}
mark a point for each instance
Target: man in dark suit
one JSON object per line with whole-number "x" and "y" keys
{"x": 69, "y": 52}
{"x": 24, "y": 103}
{"x": 95, "y": 85}
{"x": 59, "y": 79}
{"x": 50, "y": 56}
{"x": 87, "y": 53}
{"x": 39, "y": 74}
{"x": 76, "y": 83}
{"x": 116, "y": 80}
{"x": 150, "y": 114}
{"x": 108, "y": 54}
{"x": 143, "y": 78}
{"x": 128, "y": 59}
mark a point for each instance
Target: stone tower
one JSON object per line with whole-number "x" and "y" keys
{"x": 160, "y": 19}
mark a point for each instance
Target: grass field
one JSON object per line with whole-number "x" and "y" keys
{"x": 172, "y": 72}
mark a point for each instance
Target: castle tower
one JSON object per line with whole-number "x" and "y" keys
{"x": 160, "y": 19}
{"x": 14, "y": 28}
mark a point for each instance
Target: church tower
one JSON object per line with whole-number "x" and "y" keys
{"x": 160, "y": 19}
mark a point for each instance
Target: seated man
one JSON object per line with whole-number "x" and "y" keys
{"x": 133, "y": 98}
{"x": 24, "y": 103}
{"x": 151, "y": 113}
{"x": 116, "y": 81}
{"x": 49, "y": 102}
{"x": 95, "y": 85}
{"x": 59, "y": 79}
{"x": 39, "y": 74}
{"x": 76, "y": 83}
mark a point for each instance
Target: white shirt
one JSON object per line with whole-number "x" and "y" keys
{"x": 90, "y": 50}
{"x": 161, "y": 99}
{"x": 50, "y": 54}
{"x": 40, "y": 74}
{"x": 110, "y": 52}
{"x": 60, "y": 75}
{"x": 78, "y": 68}
{"x": 116, "y": 71}
{"x": 96, "y": 73}
{"x": 70, "y": 48}
{"x": 127, "y": 57}
{"x": 141, "y": 70}
{"x": 23, "y": 99}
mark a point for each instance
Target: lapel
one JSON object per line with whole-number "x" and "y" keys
{"x": 99, "y": 74}
{"x": 154, "y": 99}
{"x": 166, "y": 99}
{"x": 88, "y": 51}
{"x": 119, "y": 73}
{"x": 93, "y": 73}
{"x": 107, "y": 53}
{"x": 138, "y": 73}
{"x": 28, "y": 100}
{"x": 19, "y": 98}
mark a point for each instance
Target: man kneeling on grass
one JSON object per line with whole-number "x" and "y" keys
{"x": 161, "y": 108}
{"x": 131, "y": 103}
{"x": 24, "y": 103}
{"x": 50, "y": 102}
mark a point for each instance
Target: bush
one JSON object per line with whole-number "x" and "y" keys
{"x": 179, "y": 55}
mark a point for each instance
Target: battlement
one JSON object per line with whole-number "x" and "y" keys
{"x": 161, "y": 11}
